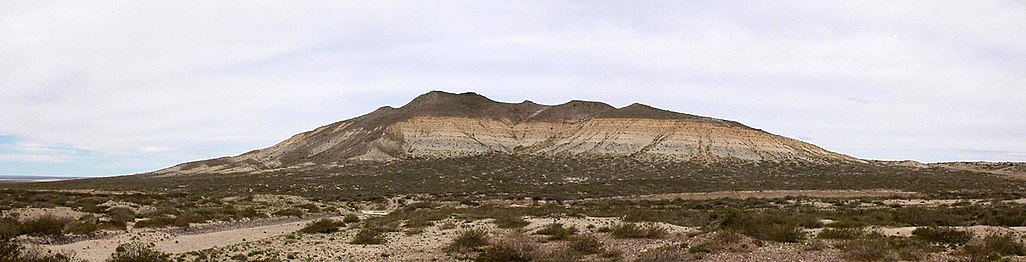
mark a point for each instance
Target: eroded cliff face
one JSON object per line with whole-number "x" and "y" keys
{"x": 443, "y": 125}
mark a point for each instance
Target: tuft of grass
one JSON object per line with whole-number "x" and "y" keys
{"x": 322, "y": 226}
{"x": 632, "y": 230}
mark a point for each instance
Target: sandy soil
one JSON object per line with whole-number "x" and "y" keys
{"x": 167, "y": 241}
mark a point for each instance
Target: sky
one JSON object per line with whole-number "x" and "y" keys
{"x": 98, "y": 88}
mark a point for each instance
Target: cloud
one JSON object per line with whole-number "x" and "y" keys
{"x": 188, "y": 80}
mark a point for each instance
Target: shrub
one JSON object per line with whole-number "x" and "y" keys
{"x": 469, "y": 240}
{"x": 944, "y": 235}
{"x": 510, "y": 221}
{"x": 11, "y": 250}
{"x": 121, "y": 214}
{"x": 81, "y": 227}
{"x": 45, "y": 225}
{"x": 766, "y": 226}
{"x": 322, "y": 226}
{"x": 993, "y": 247}
{"x": 556, "y": 231}
{"x": 512, "y": 247}
{"x": 351, "y": 218}
{"x": 138, "y": 252}
{"x": 289, "y": 212}
{"x": 872, "y": 249}
{"x": 841, "y": 233}
{"x": 631, "y": 230}
{"x": 369, "y": 236}
{"x": 585, "y": 244}
{"x": 9, "y": 227}
{"x": 155, "y": 222}
{"x": 418, "y": 223}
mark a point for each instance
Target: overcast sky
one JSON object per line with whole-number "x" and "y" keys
{"x": 93, "y": 88}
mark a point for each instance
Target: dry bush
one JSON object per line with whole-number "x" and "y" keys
{"x": 138, "y": 252}
{"x": 322, "y": 226}
{"x": 468, "y": 241}
{"x": 632, "y": 230}
{"x": 556, "y": 231}
{"x": 512, "y": 247}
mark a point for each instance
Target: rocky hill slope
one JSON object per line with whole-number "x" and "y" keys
{"x": 446, "y": 125}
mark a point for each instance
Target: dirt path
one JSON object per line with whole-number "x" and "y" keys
{"x": 768, "y": 194}
{"x": 100, "y": 249}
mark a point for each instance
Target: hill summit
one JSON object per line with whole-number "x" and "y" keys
{"x": 447, "y": 125}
